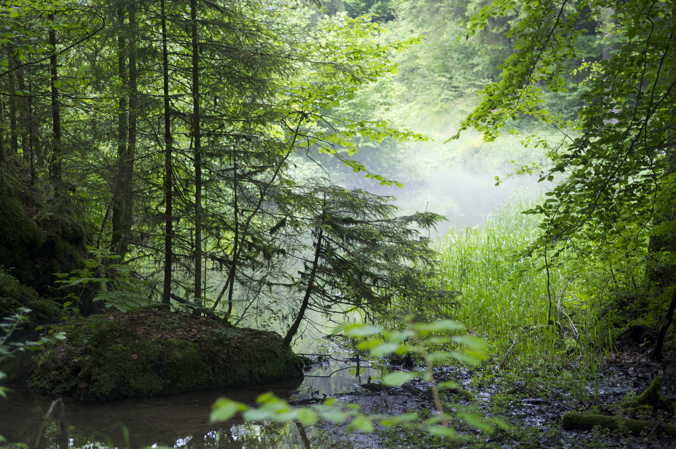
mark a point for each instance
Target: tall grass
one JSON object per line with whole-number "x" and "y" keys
{"x": 528, "y": 313}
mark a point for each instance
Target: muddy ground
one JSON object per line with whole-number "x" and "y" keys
{"x": 530, "y": 402}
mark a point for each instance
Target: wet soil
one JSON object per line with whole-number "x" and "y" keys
{"x": 533, "y": 404}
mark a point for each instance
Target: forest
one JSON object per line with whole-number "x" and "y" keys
{"x": 347, "y": 224}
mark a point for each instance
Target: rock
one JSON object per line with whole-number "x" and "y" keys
{"x": 38, "y": 238}
{"x": 14, "y": 294}
{"x": 152, "y": 351}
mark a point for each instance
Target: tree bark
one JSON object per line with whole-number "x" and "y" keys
{"x": 123, "y": 200}
{"x": 232, "y": 275}
{"x": 128, "y": 217}
{"x": 197, "y": 151}
{"x": 308, "y": 290}
{"x": 11, "y": 84}
{"x": 168, "y": 181}
{"x": 32, "y": 133}
{"x": 662, "y": 335}
{"x": 55, "y": 165}
{"x": 25, "y": 116}
{"x": 122, "y": 134}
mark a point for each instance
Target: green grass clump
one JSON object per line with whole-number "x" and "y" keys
{"x": 507, "y": 295}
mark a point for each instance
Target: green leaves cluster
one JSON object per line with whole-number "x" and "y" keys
{"x": 436, "y": 342}
{"x": 9, "y": 325}
{"x": 614, "y": 167}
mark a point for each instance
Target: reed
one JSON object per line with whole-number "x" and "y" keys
{"x": 504, "y": 294}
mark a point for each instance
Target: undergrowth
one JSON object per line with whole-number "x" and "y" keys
{"x": 538, "y": 309}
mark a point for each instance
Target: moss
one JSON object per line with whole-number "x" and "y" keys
{"x": 151, "y": 352}
{"x": 587, "y": 421}
{"x": 14, "y": 294}
{"x": 651, "y": 397}
{"x": 36, "y": 240}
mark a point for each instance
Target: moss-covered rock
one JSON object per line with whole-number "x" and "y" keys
{"x": 38, "y": 238}
{"x": 14, "y": 294}
{"x": 151, "y": 351}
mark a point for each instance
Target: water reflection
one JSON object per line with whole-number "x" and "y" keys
{"x": 180, "y": 421}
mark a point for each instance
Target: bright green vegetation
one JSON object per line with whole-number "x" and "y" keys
{"x": 175, "y": 173}
{"x": 532, "y": 311}
{"x": 436, "y": 343}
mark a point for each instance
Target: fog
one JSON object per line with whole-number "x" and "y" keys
{"x": 456, "y": 179}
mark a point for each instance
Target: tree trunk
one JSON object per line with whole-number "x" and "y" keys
{"x": 308, "y": 290}
{"x": 2, "y": 131}
{"x": 168, "y": 181}
{"x": 57, "y": 156}
{"x": 124, "y": 194}
{"x": 128, "y": 192}
{"x": 25, "y": 116}
{"x": 11, "y": 84}
{"x": 118, "y": 200}
{"x": 661, "y": 270}
{"x": 31, "y": 127}
{"x": 232, "y": 275}
{"x": 197, "y": 151}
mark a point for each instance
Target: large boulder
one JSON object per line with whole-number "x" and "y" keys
{"x": 152, "y": 351}
{"x": 14, "y": 295}
{"x": 38, "y": 238}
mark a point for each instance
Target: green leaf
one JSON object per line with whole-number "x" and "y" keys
{"x": 396, "y": 420}
{"x": 362, "y": 424}
{"x": 398, "y": 378}
{"x": 448, "y": 385}
{"x": 333, "y": 415}
{"x": 307, "y": 417}
{"x": 267, "y": 398}
{"x": 258, "y": 414}
{"x": 224, "y": 409}
{"x": 439, "y": 326}
{"x": 477, "y": 422}
{"x": 439, "y": 356}
{"x": 442, "y": 432}
{"x": 465, "y": 358}
{"x": 474, "y": 343}
{"x": 361, "y": 330}
{"x": 384, "y": 349}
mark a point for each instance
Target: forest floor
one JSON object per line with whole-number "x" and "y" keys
{"x": 533, "y": 403}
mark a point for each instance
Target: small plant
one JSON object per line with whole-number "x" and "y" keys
{"x": 111, "y": 282}
{"x": 438, "y": 342}
{"x": 9, "y": 325}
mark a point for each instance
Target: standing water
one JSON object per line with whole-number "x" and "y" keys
{"x": 180, "y": 420}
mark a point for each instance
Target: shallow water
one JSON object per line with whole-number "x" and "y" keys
{"x": 180, "y": 420}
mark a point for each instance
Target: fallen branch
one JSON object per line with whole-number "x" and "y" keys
{"x": 587, "y": 421}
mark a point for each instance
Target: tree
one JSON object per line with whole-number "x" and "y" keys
{"x": 208, "y": 127}
{"x": 122, "y": 195}
{"x": 168, "y": 172}
{"x": 364, "y": 256}
{"x": 617, "y": 166}
{"x": 196, "y": 137}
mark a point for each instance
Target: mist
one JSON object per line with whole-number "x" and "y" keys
{"x": 465, "y": 180}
